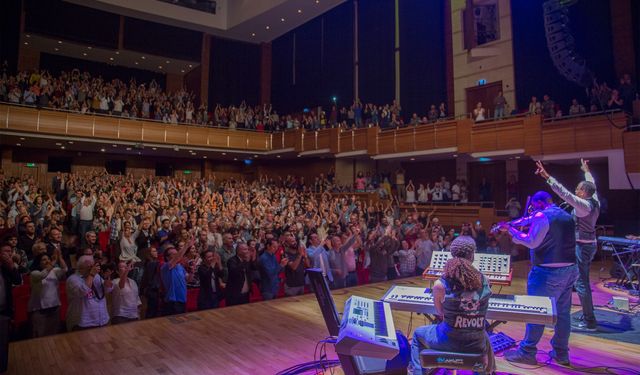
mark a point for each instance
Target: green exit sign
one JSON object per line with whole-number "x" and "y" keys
{"x": 186, "y": 171}
{"x": 30, "y": 165}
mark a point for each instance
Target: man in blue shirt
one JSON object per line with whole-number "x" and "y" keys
{"x": 319, "y": 256}
{"x": 174, "y": 280}
{"x": 270, "y": 269}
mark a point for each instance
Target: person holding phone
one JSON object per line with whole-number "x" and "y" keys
{"x": 125, "y": 298}
{"x": 86, "y": 292}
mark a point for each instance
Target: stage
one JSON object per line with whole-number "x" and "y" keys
{"x": 266, "y": 337}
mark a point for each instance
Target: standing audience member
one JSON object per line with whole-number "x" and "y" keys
{"x": 125, "y": 297}
{"x": 86, "y": 292}
{"x": 174, "y": 280}
{"x": 9, "y": 276}
{"x": 44, "y": 301}
{"x": 211, "y": 284}
{"x": 239, "y": 278}
{"x": 270, "y": 270}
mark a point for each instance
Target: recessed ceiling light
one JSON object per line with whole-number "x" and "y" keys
{"x": 102, "y": 149}
{"x": 159, "y": 66}
{"x": 182, "y": 71}
{"x": 267, "y": 27}
{"x": 70, "y": 142}
{"x": 194, "y": 154}
{"x": 255, "y": 156}
{"x": 62, "y": 147}
{"x": 89, "y": 47}
{"x": 139, "y": 152}
{"x": 56, "y": 49}
{"x": 299, "y": 10}
{"x": 22, "y": 138}
{"x": 253, "y": 34}
{"x": 412, "y": 159}
{"x": 235, "y": 159}
{"x": 117, "y": 52}
{"x": 278, "y": 156}
{"x": 168, "y": 62}
{"x": 224, "y": 153}
{"x": 299, "y": 155}
{"x": 84, "y": 54}
{"x": 204, "y": 157}
{"x": 58, "y": 144}
{"x": 142, "y": 57}
{"x": 28, "y": 35}
{"x": 282, "y": 19}
{"x": 136, "y": 63}
{"x": 59, "y": 42}
{"x": 26, "y": 43}
{"x": 455, "y": 155}
{"x": 317, "y": 1}
{"x": 190, "y": 66}
{"x": 114, "y": 145}
{"x": 517, "y": 157}
{"x": 111, "y": 58}
{"x": 153, "y": 148}
{"x": 128, "y": 148}
{"x": 18, "y": 144}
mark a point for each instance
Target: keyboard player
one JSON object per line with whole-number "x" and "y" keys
{"x": 461, "y": 298}
{"x": 552, "y": 242}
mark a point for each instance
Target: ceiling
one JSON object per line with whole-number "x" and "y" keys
{"x": 120, "y": 57}
{"x": 252, "y": 21}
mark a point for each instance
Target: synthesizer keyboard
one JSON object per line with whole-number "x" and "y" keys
{"x": 513, "y": 308}
{"x": 608, "y": 243}
{"x": 496, "y": 267}
{"x": 367, "y": 329}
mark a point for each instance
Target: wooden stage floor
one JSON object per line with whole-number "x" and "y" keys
{"x": 263, "y": 338}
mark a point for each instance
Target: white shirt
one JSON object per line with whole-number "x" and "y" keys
{"x": 44, "y": 289}
{"x": 86, "y": 308}
{"x": 125, "y": 301}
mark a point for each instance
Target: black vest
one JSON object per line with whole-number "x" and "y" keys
{"x": 586, "y": 226}
{"x": 559, "y": 244}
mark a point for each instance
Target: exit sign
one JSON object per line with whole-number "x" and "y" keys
{"x": 186, "y": 171}
{"x": 30, "y": 165}
{"x": 482, "y": 82}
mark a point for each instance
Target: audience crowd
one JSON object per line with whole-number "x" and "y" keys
{"x": 119, "y": 243}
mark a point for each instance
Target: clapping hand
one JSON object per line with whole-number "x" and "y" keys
{"x": 541, "y": 171}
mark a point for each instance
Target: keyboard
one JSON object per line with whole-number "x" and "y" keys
{"x": 513, "y": 308}
{"x": 496, "y": 267}
{"x": 608, "y": 243}
{"x": 367, "y": 329}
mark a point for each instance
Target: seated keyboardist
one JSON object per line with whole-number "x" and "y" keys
{"x": 461, "y": 298}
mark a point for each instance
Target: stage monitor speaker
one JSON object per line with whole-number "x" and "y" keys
{"x": 4, "y": 343}
{"x": 116, "y": 167}
{"x": 58, "y": 164}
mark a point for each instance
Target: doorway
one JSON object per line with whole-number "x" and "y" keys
{"x": 484, "y": 94}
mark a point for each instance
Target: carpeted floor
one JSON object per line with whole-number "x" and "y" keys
{"x": 615, "y": 326}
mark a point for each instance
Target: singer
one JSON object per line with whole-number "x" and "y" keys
{"x": 586, "y": 209}
{"x": 553, "y": 274}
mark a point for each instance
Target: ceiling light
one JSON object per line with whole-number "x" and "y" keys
{"x": 62, "y": 147}
{"x": 70, "y": 142}
{"x": 22, "y": 138}
{"x": 182, "y": 71}
{"x": 278, "y": 156}
{"x": 18, "y": 144}
{"x": 412, "y": 159}
{"x": 136, "y": 63}
{"x": 267, "y": 27}
{"x": 253, "y": 34}
{"x": 255, "y": 156}
{"x": 153, "y": 148}
{"x": 299, "y": 10}
{"x": 114, "y": 145}
{"x": 142, "y": 57}
{"x": 194, "y": 154}
{"x": 59, "y": 42}
{"x": 517, "y": 157}
{"x": 26, "y": 43}
{"x": 102, "y": 149}
{"x": 84, "y": 54}
{"x": 204, "y": 157}
{"x": 299, "y": 155}
{"x": 282, "y": 19}
{"x": 28, "y": 35}
{"x": 159, "y": 66}
{"x": 58, "y": 144}
{"x": 190, "y": 66}
{"x": 168, "y": 62}
{"x": 235, "y": 159}
{"x": 224, "y": 153}
{"x": 128, "y": 148}
{"x": 111, "y": 58}
{"x": 89, "y": 47}
{"x": 455, "y": 155}
{"x": 56, "y": 49}
{"x": 317, "y": 1}
{"x": 117, "y": 52}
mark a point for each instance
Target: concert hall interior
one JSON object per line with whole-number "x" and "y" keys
{"x": 358, "y": 187}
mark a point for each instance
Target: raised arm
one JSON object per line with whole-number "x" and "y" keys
{"x": 581, "y": 206}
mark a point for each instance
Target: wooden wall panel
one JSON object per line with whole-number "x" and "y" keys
{"x": 106, "y": 128}
{"x": 53, "y": 123}
{"x": 176, "y": 134}
{"x": 386, "y": 142}
{"x": 446, "y": 135}
{"x": 153, "y": 132}
{"x": 632, "y": 151}
{"x": 557, "y": 139}
{"x": 197, "y": 136}
{"x": 130, "y": 130}
{"x": 21, "y": 119}
{"x": 533, "y": 135}
{"x": 80, "y": 125}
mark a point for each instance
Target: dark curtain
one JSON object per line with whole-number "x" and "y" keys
{"x": 162, "y": 40}
{"x": 422, "y": 59}
{"x": 535, "y": 74}
{"x": 61, "y": 19}
{"x": 234, "y": 73}
{"x": 635, "y": 8}
{"x": 319, "y": 67}
{"x": 376, "y": 20}
{"x": 56, "y": 63}
{"x": 10, "y": 31}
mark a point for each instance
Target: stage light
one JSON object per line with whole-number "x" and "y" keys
{"x": 484, "y": 160}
